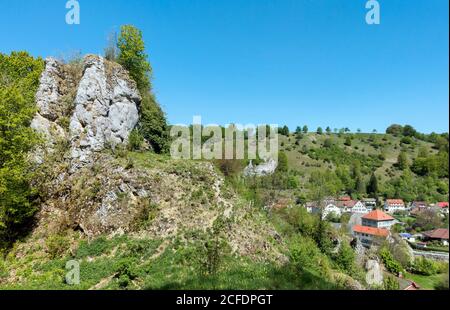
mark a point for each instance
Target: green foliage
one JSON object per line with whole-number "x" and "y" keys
{"x": 443, "y": 283}
{"x": 402, "y": 161}
{"x": 372, "y": 187}
{"x": 391, "y": 283}
{"x": 319, "y": 130}
{"x": 152, "y": 124}
{"x": 437, "y": 164}
{"x": 395, "y": 130}
{"x": 132, "y": 56}
{"x": 282, "y": 162}
{"x": 348, "y": 141}
{"x": 328, "y": 143}
{"x": 339, "y": 156}
{"x": 305, "y": 129}
{"x": 345, "y": 258}
{"x": 125, "y": 271}
{"x": 284, "y": 131}
{"x": 135, "y": 140}
{"x": 19, "y": 79}
{"x": 389, "y": 262}
{"x": 424, "y": 266}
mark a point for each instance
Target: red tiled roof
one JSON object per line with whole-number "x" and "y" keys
{"x": 377, "y": 215}
{"x": 442, "y": 204}
{"x": 345, "y": 198}
{"x": 440, "y": 233}
{"x": 382, "y": 232}
{"x": 395, "y": 202}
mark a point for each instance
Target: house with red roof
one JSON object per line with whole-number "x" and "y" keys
{"x": 440, "y": 234}
{"x": 378, "y": 219}
{"x": 369, "y": 235}
{"x": 394, "y": 205}
{"x": 443, "y": 206}
{"x": 375, "y": 227}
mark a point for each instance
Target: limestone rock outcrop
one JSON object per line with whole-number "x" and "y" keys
{"x": 102, "y": 111}
{"x": 266, "y": 168}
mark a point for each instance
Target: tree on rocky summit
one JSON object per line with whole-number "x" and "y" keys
{"x": 132, "y": 56}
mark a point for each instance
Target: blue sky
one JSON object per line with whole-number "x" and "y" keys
{"x": 291, "y": 62}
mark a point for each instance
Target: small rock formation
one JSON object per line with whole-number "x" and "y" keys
{"x": 266, "y": 168}
{"x": 103, "y": 112}
{"x": 374, "y": 276}
{"x": 47, "y": 101}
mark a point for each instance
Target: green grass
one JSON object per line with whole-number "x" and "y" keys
{"x": 425, "y": 282}
{"x": 178, "y": 266}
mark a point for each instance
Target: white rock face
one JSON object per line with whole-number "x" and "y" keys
{"x": 47, "y": 98}
{"x": 105, "y": 110}
{"x": 48, "y": 94}
{"x": 105, "y": 107}
{"x": 266, "y": 168}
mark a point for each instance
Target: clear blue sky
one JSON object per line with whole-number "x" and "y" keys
{"x": 291, "y": 62}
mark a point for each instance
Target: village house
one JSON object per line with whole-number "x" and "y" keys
{"x": 408, "y": 237}
{"x": 418, "y": 204}
{"x": 443, "y": 207}
{"x": 394, "y": 205}
{"x": 440, "y": 234}
{"x": 370, "y": 203}
{"x": 328, "y": 207}
{"x": 331, "y": 208}
{"x": 360, "y": 207}
{"x": 378, "y": 219}
{"x": 375, "y": 227}
{"x": 368, "y": 235}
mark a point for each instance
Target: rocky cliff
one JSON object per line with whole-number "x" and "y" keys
{"x": 90, "y": 185}
{"x": 102, "y": 113}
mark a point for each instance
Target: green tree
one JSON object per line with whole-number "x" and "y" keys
{"x": 328, "y": 130}
{"x": 372, "y": 187}
{"x": 345, "y": 258}
{"x": 395, "y": 130}
{"x": 348, "y": 141}
{"x": 19, "y": 79}
{"x": 319, "y": 130}
{"x": 305, "y": 129}
{"x": 409, "y": 131}
{"x": 402, "y": 160}
{"x": 282, "y": 162}
{"x": 284, "y": 131}
{"x": 132, "y": 56}
{"x": 390, "y": 283}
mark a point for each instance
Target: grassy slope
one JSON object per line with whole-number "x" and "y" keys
{"x": 425, "y": 282}
{"x": 362, "y": 143}
{"x": 138, "y": 261}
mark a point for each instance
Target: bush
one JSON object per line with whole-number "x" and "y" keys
{"x": 19, "y": 79}
{"x": 135, "y": 140}
{"x": 304, "y": 254}
{"x": 424, "y": 266}
{"x": 389, "y": 262}
{"x": 391, "y": 283}
{"x": 153, "y": 124}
